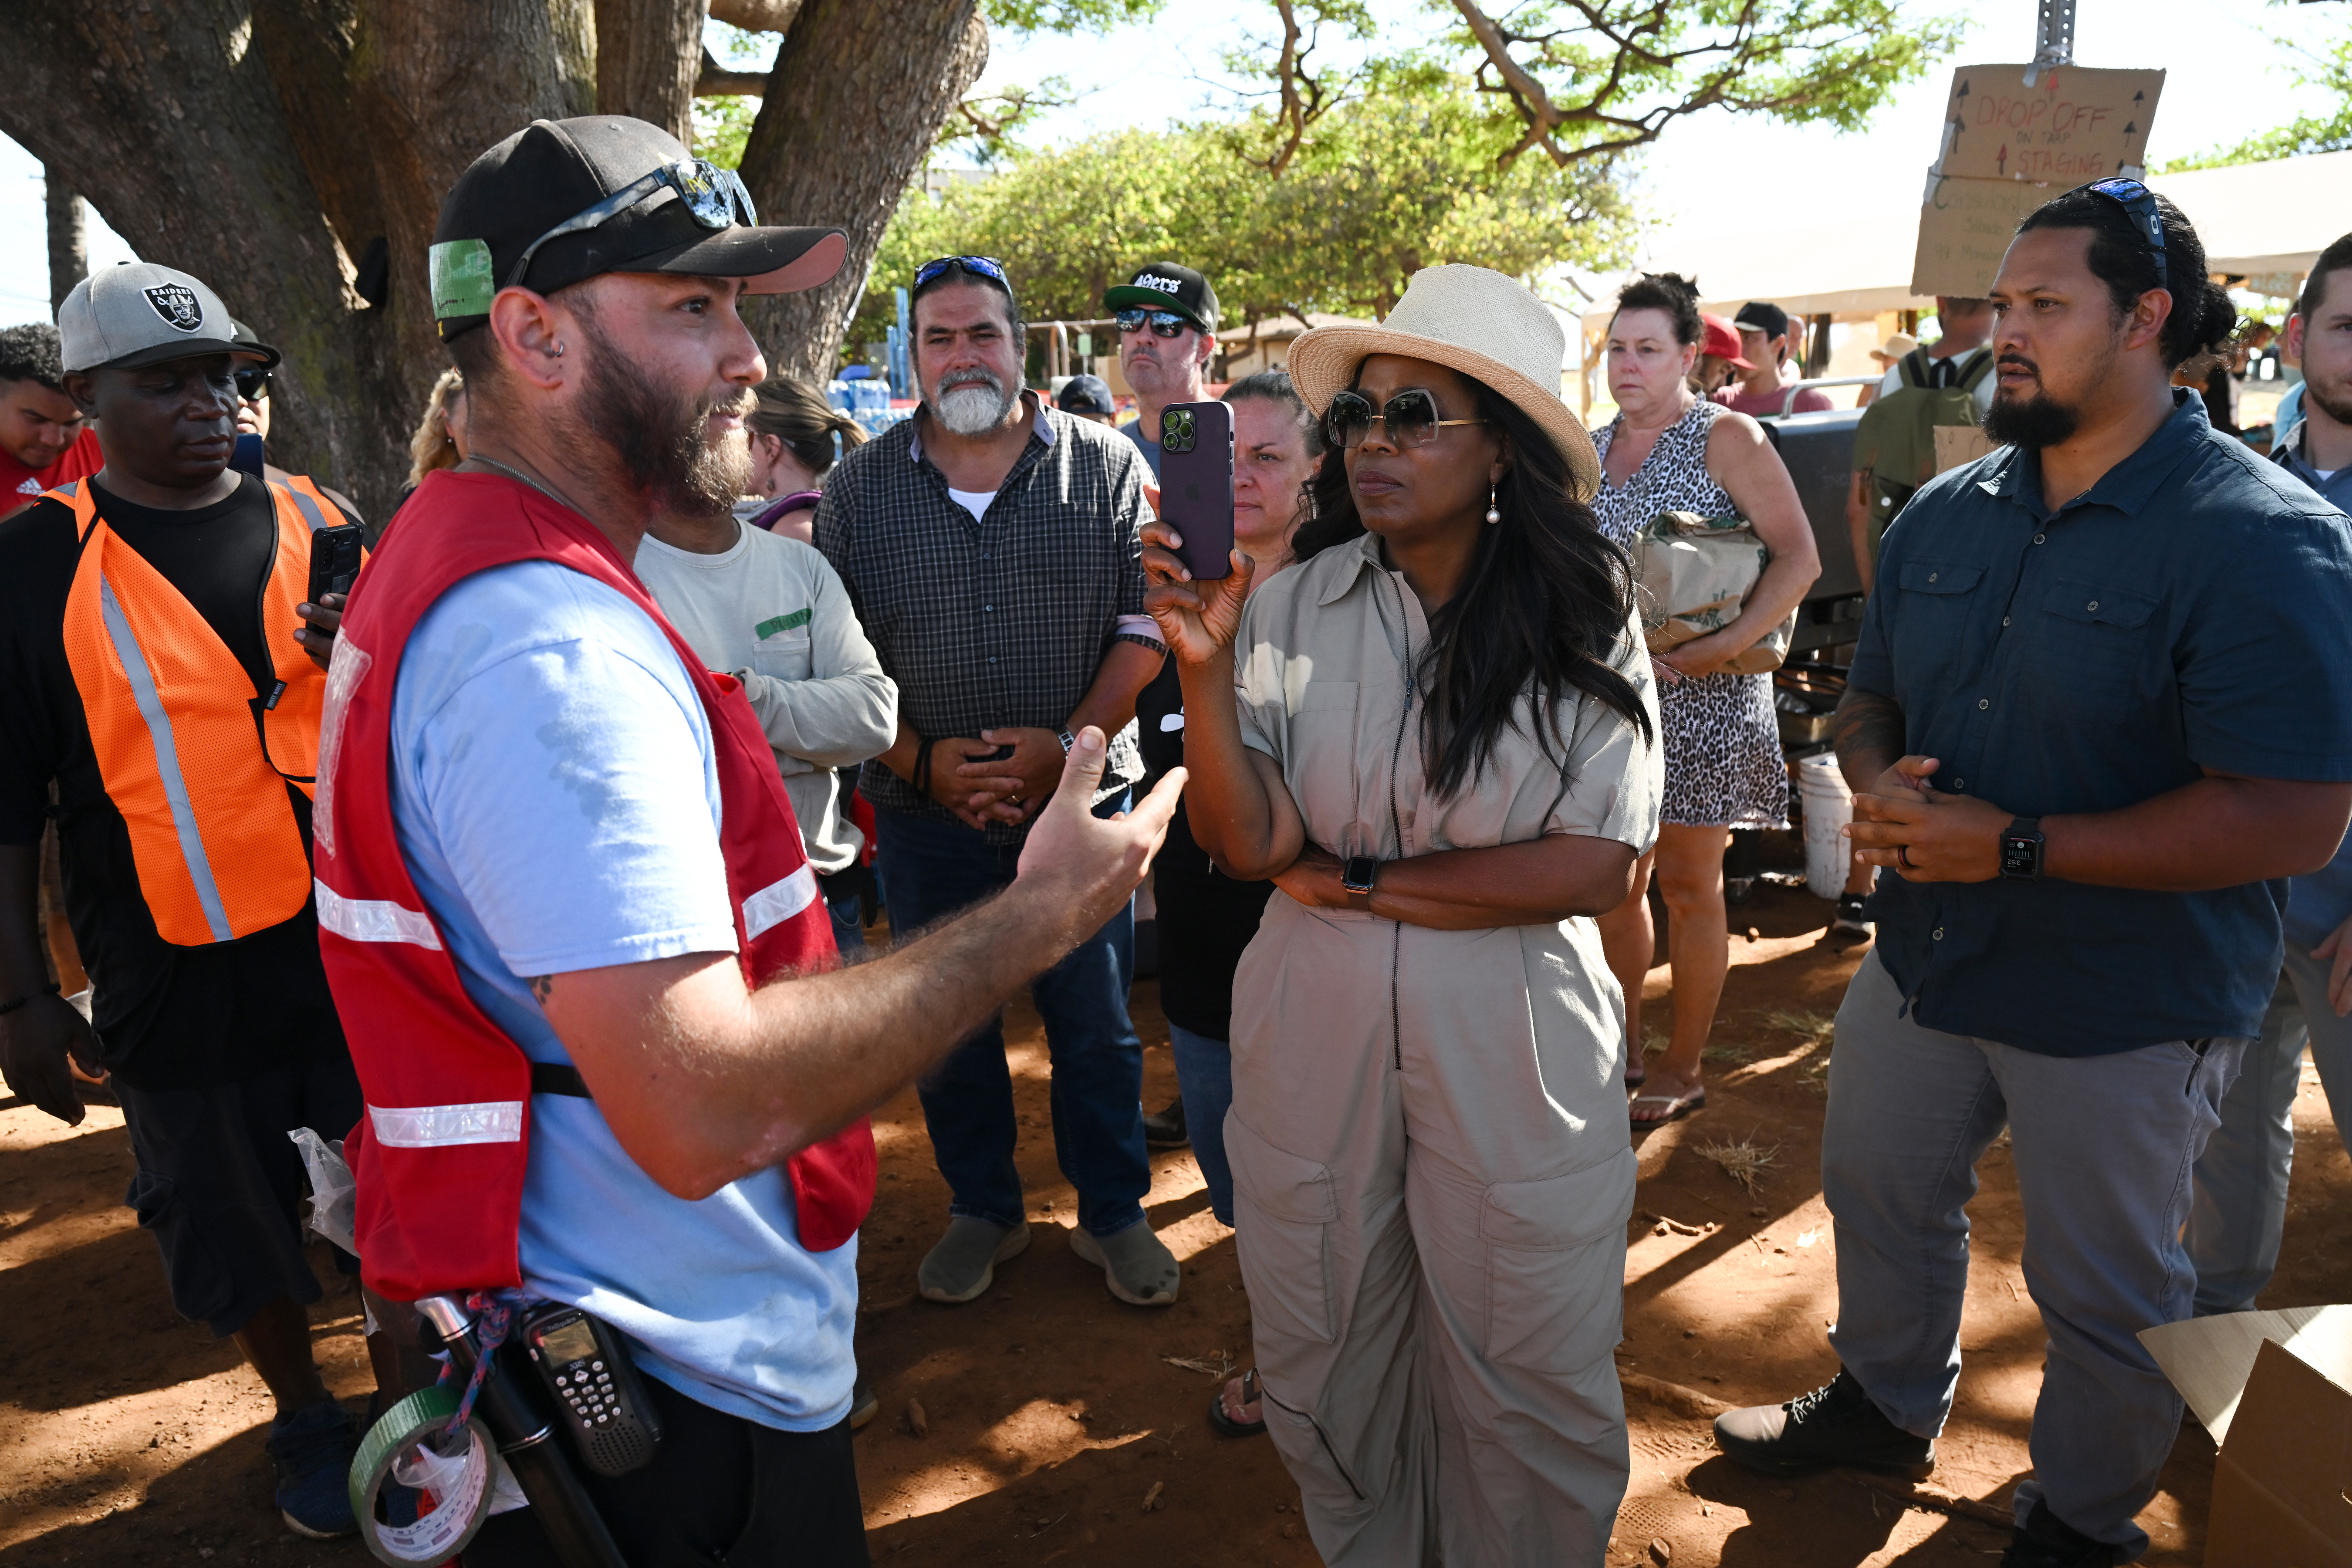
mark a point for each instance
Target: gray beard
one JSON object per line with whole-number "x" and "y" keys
{"x": 971, "y": 408}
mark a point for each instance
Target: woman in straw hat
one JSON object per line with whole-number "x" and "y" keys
{"x": 1434, "y": 733}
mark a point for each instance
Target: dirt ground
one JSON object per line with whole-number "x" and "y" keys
{"x": 1053, "y": 1412}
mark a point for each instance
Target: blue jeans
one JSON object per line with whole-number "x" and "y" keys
{"x": 2240, "y": 1214}
{"x": 1204, "y": 1074}
{"x": 2103, "y": 1146}
{"x": 848, "y": 932}
{"x": 932, "y": 869}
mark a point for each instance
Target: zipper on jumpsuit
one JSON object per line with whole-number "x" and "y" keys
{"x": 1396, "y": 827}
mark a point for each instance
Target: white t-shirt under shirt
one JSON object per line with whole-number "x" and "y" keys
{"x": 557, "y": 802}
{"x": 772, "y": 610}
{"x": 973, "y": 501}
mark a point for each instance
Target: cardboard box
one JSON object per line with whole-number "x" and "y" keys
{"x": 1957, "y": 444}
{"x": 2275, "y": 1391}
{"x": 2074, "y": 125}
{"x": 1965, "y": 228}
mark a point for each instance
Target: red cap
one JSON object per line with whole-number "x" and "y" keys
{"x": 1721, "y": 339}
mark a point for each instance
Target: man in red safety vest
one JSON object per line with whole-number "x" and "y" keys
{"x": 609, "y": 1056}
{"x": 159, "y": 697}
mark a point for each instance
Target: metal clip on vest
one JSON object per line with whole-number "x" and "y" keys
{"x": 509, "y": 1409}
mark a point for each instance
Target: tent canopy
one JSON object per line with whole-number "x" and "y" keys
{"x": 2254, "y": 219}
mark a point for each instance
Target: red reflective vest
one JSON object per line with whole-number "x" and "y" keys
{"x": 440, "y": 1152}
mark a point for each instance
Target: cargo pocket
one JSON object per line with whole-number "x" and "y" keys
{"x": 1556, "y": 1267}
{"x": 201, "y": 1289}
{"x": 1283, "y": 1207}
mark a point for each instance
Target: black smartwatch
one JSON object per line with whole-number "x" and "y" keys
{"x": 2020, "y": 850}
{"x": 1357, "y": 873}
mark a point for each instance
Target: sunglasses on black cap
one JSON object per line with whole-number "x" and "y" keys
{"x": 714, "y": 196}
{"x": 2139, "y": 204}
{"x": 1163, "y": 323}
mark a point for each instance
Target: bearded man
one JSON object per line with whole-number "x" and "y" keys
{"x": 609, "y": 1053}
{"x": 2095, "y": 720}
{"x": 991, "y": 549}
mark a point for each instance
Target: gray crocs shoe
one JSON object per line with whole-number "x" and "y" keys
{"x": 1136, "y": 1264}
{"x": 963, "y": 1265}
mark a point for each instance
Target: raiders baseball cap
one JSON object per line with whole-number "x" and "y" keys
{"x": 1769, "y": 319}
{"x": 564, "y": 200}
{"x": 1164, "y": 286}
{"x": 143, "y": 313}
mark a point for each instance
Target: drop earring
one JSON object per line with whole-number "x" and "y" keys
{"x": 1493, "y": 513}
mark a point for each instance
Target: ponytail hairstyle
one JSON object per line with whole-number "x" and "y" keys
{"x": 1545, "y": 607}
{"x": 2202, "y": 319}
{"x": 799, "y": 417}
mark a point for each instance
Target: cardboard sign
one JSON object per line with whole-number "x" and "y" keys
{"x": 1957, "y": 444}
{"x": 2074, "y": 125}
{"x": 1965, "y": 228}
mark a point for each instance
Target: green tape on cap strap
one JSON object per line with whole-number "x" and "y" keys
{"x": 464, "y": 282}
{"x": 441, "y": 1531}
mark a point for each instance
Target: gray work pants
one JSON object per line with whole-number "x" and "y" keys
{"x": 1431, "y": 1177}
{"x": 2103, "y": 1147}
{"x": 2239, "y": 1214}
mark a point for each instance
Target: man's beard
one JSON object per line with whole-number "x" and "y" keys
{"x": 661, "y": 438}
{"x": 2030, "y": 423}
{"x": 970, "y": 402}
{"x": 2334, "y": 401}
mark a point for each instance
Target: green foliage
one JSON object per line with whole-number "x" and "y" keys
{"x": 2332, "y": 132}
{"x": 721, "y": 126}
{"x": 1068, "y": 16}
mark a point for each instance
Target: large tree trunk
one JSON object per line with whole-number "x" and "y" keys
{"x": 68, "y": 237}
{"x": 648, "y": 53}
{"x": 859, "y": 89}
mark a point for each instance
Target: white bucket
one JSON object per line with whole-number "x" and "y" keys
{"x": 1829, "y": 808}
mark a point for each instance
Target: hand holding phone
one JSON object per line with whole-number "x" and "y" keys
{"x": 335, "y": 557}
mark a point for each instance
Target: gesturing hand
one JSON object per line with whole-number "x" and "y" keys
{"x": 1197, "y": 619}
{"x": 1924, "y": 835}
{"x": 1086, "y": 866}
{"x": 325, "y": 617}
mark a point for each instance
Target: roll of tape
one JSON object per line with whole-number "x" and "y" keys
{"x": 456, "y": 1472}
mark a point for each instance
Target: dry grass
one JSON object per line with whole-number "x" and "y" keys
{"x": 1744, "y": 1162}
{"x": 1813, "y": 1029}
{"x": 1220, "y": 1367}
{"x": 1723, "y": 1054}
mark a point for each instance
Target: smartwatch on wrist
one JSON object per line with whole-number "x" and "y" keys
{"x": 2021, "y": 850}
{"x": 1357, "y": 872}
{"x": 1069, "y": 741}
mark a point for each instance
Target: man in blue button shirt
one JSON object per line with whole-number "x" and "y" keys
{"x": 2095, "y": 720}
{"x": 2239, "y": 1214}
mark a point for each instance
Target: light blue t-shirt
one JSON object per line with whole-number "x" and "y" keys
{"x": 557, "y": 801}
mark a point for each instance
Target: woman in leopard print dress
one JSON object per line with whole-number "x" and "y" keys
{"x": 1670, "y": 450}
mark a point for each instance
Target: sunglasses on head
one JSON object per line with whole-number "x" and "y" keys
{"x": 1409, "y": 418}
{"x": 714, "y": 196}
{"x": 253, "y": 386}
{"x": 985, "y": 266}
{"x": 1163, "y": 323}
{"x": 2139, "y": 204}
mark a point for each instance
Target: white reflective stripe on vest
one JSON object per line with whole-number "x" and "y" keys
{"x": 167, "y": 760}
{"x": 372, "y": 920}
{"x": 777, "y": 902}
{"x": 440, "y": 1126}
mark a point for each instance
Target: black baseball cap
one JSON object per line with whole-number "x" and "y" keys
{"x": 1084, "y": 395}
{"x": 553, "y": 171}
{"x": 1769, "y": 319}
{"x": 1164, "y": 286}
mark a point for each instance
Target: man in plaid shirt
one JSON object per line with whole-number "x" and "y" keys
{"x": 991, "y": 547}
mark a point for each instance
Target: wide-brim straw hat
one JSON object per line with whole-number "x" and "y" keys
{"x": 1471, "y": 319}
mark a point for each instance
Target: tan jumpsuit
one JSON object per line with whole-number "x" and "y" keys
{"x": 1432, "y": 1170}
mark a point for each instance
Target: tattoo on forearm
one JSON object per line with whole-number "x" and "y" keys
{"x": 1867, "y": 725}
{"x": 542, "y": 986}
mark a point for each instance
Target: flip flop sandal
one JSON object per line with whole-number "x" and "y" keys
{"x": 1678, "y": 1107}
{"x": 1251, "y": 1394}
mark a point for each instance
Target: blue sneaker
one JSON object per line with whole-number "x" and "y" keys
{"x": 311, "y": 1451}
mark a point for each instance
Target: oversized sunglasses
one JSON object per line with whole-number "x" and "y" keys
{"x": 1163, "y": 323}
{"x": 986, "y": 266}
{"x": 1410, "y": 418}
{"x": 2139, "y": 204}
{"x": 253, "y": 386}
{"x": 714, "y": 196}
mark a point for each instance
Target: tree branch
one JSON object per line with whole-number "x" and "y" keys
{"x": 716, "y": 80}
{"x": 756, "y": 16}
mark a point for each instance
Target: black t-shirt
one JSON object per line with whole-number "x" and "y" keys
{"x": 1206, "y": 918}
{"x": 167, "y": 1016}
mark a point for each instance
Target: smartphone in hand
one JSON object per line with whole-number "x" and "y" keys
{"x": 1196, "y": 484}
{"x": 334, "y": 560}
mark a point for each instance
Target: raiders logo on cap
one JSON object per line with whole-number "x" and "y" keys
{"x": 178, "y": 305}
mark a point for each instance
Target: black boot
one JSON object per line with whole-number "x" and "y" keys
{"x": 1832, "y": 1426}
{"x": 1165, "y": 1129}
{"x": 2046, "y": 1540}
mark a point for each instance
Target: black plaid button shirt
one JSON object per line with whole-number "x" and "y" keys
{"x": 1000, "y": 622}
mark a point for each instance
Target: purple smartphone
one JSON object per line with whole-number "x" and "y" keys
{"x": 1196, "y": 484}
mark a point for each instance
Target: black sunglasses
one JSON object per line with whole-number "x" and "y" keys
{"x": 1163, "y": 323}
{"x": 1410, "y": 418}
{"x": 253, "y": 386}
{"x": 986, "y": 266}
{"x": 716, "y": 197}
{"x": 2139, "y": 204}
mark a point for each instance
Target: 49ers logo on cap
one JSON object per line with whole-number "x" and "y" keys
{"x": 1153, "y": 280}
{"x": 177, "y": 304}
